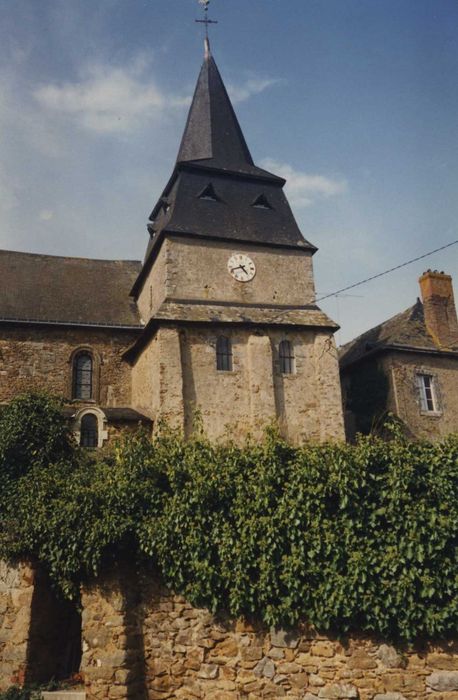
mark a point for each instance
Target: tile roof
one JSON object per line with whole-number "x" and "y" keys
{"x": 76, "y": 291}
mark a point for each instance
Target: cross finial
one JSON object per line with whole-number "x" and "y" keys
{"x": 206, "y": 21}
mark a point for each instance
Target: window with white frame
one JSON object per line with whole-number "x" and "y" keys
{"x": 90, "y": 427}
{"x": 428, "y": 393}
{"x": 89, "y": 431}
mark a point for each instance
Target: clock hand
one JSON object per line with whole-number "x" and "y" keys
{"x": 242, "y": 267}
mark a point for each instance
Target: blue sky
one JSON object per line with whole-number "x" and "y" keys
{"x": 354, "y": 101}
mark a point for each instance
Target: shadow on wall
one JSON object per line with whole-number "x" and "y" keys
{"x": 54, "y": 646}
{"x": 113, "y": 620}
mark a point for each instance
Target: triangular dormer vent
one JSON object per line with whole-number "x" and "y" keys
{"x": 209, "y": 194}
{"x": 262, "y": 202}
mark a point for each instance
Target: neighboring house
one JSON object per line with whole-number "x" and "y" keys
{"x": 220, "y": 319}
{"x": 408, "y": 366}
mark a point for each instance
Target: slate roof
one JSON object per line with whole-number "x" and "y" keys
{"x": 75, "y": 291}
{"x": 406, "y": 330}
{"x": 113, "y": 414}
{"x": 175, "y": 311}
{"x": 212, "y": 135}
{"x": 214, "y": 152}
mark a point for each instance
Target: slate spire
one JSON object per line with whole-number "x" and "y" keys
{"x": 212, "y": 135}
{"x": 216, "y": 192}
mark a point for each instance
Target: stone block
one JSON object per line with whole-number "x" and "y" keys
{"x": 443, "y": 662}
{"x": 208, "y": 671}
{"x": 325, "y": 649}
{"x": 389, "y": 656}
{"x": 280, "y": 637}
{"x": 338, "y": 691}
{"x": 64, "y": 695}
{"x": 265, "y": 668}
{"x": 443, "y": 680}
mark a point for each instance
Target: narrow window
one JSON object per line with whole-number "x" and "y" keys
{"x": 261, "y": 202}
{"x": 82, "y": 376}
{"x": 89, "y": 433}
{"x": 428, "y": 398}
{"x": 223, "y": 354}
{"x": 286, "y": 357}
{"x": 209, "y": 194}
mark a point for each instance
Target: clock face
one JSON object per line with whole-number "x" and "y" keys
{"x": 241, "y": 267}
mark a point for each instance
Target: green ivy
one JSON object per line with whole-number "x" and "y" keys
{"x": 357, "y": 537}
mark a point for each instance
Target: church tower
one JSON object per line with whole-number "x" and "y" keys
{"x": 226, "y": 293}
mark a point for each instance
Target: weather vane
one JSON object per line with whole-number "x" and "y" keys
{"x": 205, "y": 20}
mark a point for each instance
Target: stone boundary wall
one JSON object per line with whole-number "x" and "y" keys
{"x": 142, "y": 642}
{"x": 16, "y": 594}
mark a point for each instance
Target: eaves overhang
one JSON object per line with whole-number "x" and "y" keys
{"x": 70, "y": 324}
{"x": 394, "y": 347}
{"x": 255, "y": 174}
{"x": 183, "y": 313}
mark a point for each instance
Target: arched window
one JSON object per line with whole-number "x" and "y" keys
{"x": 286, "y": 357}
{"x": 82, "y": 376}
{"x": 89, "y": 431}
{"x": 224, "y": 354}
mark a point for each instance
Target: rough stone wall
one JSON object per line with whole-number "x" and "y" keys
{"x": 402, "y": 396}
{"x": 156, "y": 287}
{"x": 145, "y": 388}
{"x": 401, "y": 369}
{"x": 16, "y": 593}
{"x": 181, "y": 382}
{"x": 40, "y": 358}
{"x": 156, "y": 646}
{"x": 197, "y": 270}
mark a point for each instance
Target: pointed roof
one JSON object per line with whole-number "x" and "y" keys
{"x": 247, "y": 203}
{"x": 212, "y": 136}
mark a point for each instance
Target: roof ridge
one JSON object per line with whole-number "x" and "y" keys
{"x": 67, "y": 257}
{"x": 379, "y": 325}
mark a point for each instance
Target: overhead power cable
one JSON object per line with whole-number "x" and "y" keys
{"x": 386, "y": 272}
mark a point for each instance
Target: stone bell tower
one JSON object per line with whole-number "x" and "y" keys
{"x": 226, "y": 292}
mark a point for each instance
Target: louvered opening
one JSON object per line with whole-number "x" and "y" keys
{"x": 209, "y": 194}
{"x": 262, "y": 202}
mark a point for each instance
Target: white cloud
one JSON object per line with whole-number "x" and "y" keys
{"x": 109, "y": 100}
{"x": 253, "y": 86}
{"x": 304, "y": 189}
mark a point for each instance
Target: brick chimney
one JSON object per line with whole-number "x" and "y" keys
{"x": 439, "y": 307}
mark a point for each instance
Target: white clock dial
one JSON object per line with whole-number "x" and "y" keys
{"x": 241, "y": 267}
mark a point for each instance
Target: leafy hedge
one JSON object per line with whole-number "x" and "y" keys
{"x": 361, "y": 537}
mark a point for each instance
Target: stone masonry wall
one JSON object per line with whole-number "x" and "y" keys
{"x": 176, "y": 378}
{"x": 196, "y": 270}
{"x": 401, "y": 369}
{"x": 16, "y": 593}
{"x": 142, "y": 642}
{"x": 40, "y": 358}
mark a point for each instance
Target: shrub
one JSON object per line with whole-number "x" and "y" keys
{"x": 349, "y": 537}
